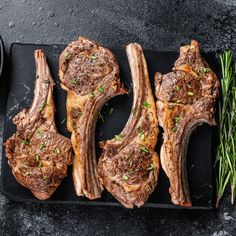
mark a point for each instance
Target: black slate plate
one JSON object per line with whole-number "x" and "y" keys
{"x": 200, "y": 157}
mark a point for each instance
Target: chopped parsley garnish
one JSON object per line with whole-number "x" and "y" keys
{"x": 141, "y": 135}
{"x": 177, "y": 88}
{"x": 57, "y": 150}
{"x": 133, "y": 110}
{"x": 101, "y": 117}
{"x": 174, "y": 129}
{"x": 118, "y": 137}
{"x": 73, "y": 81}
{"x": 68, "y": 56}
{"x": 101, "y": 89}
{"x": 171, "y": 105}
{"x": 45, "y": 177}
{"x": 125, "y": 177}
{"x": 47, "y": 81}
{"x": 92, "y": 95}
{"x": 39, "y": 133}
{"x": 206, "y": 69}
{"x": 176, "y": 119}
{"x": 41, "y": 107}
{"x": 110, "y": 111}
{"x": 37, "y": 158}
{"x": 40, "y": 164}
{"x": 146, "y": 105}
{"x": 42, "y": 145}
{"x": 190, "y": 93}
{"x": 92, "y": 57}
{"x": 25, "y": 141}
{"x": 144, "y": 149}
{"x": 80, "y": 113}
{"x": 151, "y": 167}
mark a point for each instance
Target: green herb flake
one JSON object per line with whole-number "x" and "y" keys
{"x": 42, "y": 106}
{"x": 151, "y": 167}
{"x": 68, "y": 56}
{"x": 41, "y": 146}
{"x": 177, "y": 88}
{"x": 47, "y": 81}
{"x": 146, "y": 105}
{"x": 92, "y": 95}
{"x": 92, "y": 57}
{"x": 171, "y": 105}
{"x": 80, "y": 113}
{"x": 39, "y": 133}
{"x": 45, "y": 177}
{"x": 125, "y": 177}
{"x": 118, "y": 137}
{"x": 206, "y": 69}
{"x": 40, "y": 164}
{"x": 37, "y": 158}
{"x": 144, "y": 149}
{"x": 57, "y": 150}
{"x": 110, "y": 111}
{"x": 133, "y": 110}
{"x": 25, "y": 141}
{"x": 101, "y": 117}
{"x": 130, "y": 171}
{"x": 101, "y": 89}
{"x": 176, "y": 119}
{"x": 175, "y": 129}
{"x": 190, "y": 93}
{"x": 141, "y": 135}
{"x": 73, "y": 81}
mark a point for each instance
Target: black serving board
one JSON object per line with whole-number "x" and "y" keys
{"x": 200, "y": 157}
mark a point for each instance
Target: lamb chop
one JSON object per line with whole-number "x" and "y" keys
{"x": 89, "y": 74}
{"x": 37, "y": 154}
{"x": 129, "y": 166}
{"x": 186, "y": 98}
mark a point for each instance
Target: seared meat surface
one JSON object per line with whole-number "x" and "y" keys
{"x": 129, "y": 166}
{"x": 186, "y": 98}
{"x": 37, "y": 154}
{"x": 89, "y": 74}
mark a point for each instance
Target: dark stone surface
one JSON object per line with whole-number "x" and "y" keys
{"x": 155, "y": 25}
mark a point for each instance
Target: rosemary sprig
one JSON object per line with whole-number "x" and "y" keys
{"x": 226, "y": 153}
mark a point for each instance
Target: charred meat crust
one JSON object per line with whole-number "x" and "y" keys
{"x": 37, "y": 154}
{"x": 186, "y": 98}
{"x": 90, "y": 75}
{"x": 128, "y": 166}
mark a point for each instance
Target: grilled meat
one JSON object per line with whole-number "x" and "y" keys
{"x": 89, "y": 74}
{"x": 129, "y": 166}
{"x": 186, "y": 98}
{"x": 37, "y": 154}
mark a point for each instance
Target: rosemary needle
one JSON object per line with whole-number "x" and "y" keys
{"x": 226, "y": 152}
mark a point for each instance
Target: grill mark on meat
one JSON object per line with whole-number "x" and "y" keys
{"x": 186, "y": 98}
{"x": 90, "y": 75}
{"x": 37, "y": 154}
{"x": 128, "y": 166}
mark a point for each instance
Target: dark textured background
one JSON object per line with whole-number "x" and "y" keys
{"x": 155, "y": 25}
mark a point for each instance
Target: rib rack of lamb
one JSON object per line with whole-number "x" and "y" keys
{"x": 129, "y": 166}
{"x": 37, "y": 153}
{"x": 89, "y": 74}
{"x": 186, "y": 98}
